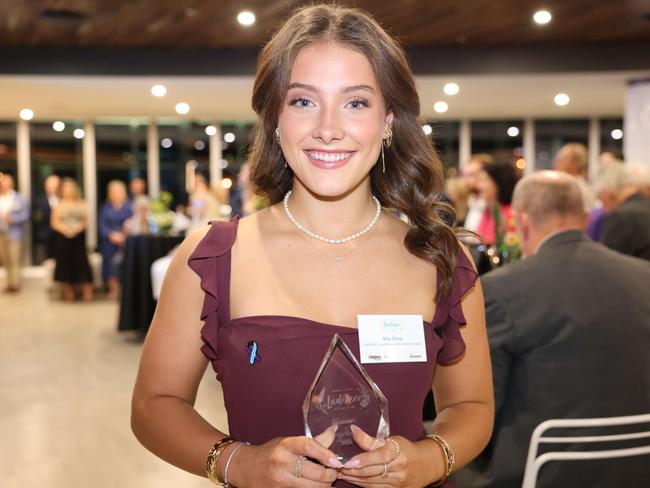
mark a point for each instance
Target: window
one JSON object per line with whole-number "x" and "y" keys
{"x": 8, "y": 161}
{"x": 551, "y": 135}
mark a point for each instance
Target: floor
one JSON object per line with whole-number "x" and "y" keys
{"x": 66, "y": 376}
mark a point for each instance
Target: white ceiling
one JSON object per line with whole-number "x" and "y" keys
{"x": 228, "y": 98}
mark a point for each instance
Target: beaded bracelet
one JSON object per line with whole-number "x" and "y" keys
{"x": 450, "y": 459}
{"x": 213, "y": 459}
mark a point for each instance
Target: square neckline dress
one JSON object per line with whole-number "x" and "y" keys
{"x": 264, "y": 400}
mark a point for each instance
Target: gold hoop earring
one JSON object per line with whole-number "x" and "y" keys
{"x": 277, "y": 134}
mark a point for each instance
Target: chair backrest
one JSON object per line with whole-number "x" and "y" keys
{"x": 535, "y": 462}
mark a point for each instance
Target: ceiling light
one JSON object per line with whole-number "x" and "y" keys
{"x": 199, "y": 145}
{"x": 166, "y": 143}
{"x": 158, "y": 90}
{"x": 229, "y": 137}
{"x": 182, "y": 108}
{"x": 226, "y": 183}
{"x": 58, "y": 126}
{"x": 79, "y": 133}
{"x": 521, "y": 163}
{"x": 542, "y": 17}
{"x": 26, "y": 114}
{"x": 440, "y": 107}
{"x": 562, "y": 99}
{"x": 211, "y": 130}
{"x": 451, "y": 89}
{"x": 617, "y": 134}
{"x": 246, "y": 18}
{"x": 426, "y": 128}
{"x": 513, "y": 131}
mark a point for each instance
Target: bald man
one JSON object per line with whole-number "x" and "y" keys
{"x": 569, "y": 331}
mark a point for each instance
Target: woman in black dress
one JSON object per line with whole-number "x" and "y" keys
{"x": 69, "y": 220}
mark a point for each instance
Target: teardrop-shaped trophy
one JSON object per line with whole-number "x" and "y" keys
{"x": 343, "y": 394}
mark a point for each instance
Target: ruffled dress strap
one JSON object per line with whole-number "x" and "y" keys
{"x": 211, "y": 261}
{"x": 449, "y": 314}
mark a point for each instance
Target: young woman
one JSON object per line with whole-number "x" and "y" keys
{"x": 337, "y": 139}
{"x": 497, "y": 183}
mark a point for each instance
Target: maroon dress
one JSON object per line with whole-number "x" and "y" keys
{"x": 264, "y": 400}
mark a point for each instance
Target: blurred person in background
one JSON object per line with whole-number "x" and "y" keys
{"x": 138, "y": 188}
{"x": 203, "y": 204}
{"x": 138, "y": 223}
{"x": 572, "y": 158}
{"x": 112, "y": 215}
{"x": 641, "y": 176}
{"x": 626, "y": 227}
{"x": 328, "y": 110}
{"x": 569, "y": 337}
{"x": 497, "y": 182}
{"x": 471, "y": 175}
{"x": 69, "y": 220}
{"x": 458, "y": 195}
{"x": 14, "y": 213}
{"x": 41, "y": 216}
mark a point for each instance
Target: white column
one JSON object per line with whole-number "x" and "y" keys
{"x": 153, "y": 160}
{"x": 594, "y": 147}
{"x": 529, "y": 146}
{"x": 636, "y": 125}
{"x": 24, "y": 183}
{"x": 90, "y": 182}
{"x": 216, "y": 155}
{"x": 23, "y": 157}
{"x": 464, "y": 143}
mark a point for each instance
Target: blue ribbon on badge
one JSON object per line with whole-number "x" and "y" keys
{"x": 251, "y": 350}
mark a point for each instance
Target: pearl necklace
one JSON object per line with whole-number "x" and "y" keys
{"x": 343, "y": 240}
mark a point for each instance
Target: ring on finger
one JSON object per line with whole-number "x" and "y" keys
{"x": 298, "y": 469}
{"x": 385, "y": 473}
{"x": 398, "y": 449}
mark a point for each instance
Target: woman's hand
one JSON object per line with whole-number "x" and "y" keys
{"x": 281, "y": 463}
{"x": 395, "y": 462}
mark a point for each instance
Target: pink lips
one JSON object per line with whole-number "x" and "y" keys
{"x": 324, "y": 164}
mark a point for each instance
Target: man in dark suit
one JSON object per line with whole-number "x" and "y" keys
{"x": 626, "y": 227}
{"x": 569, "y": 332}
{"x": 42, "y": 211}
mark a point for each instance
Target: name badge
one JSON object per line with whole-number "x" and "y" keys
{"x": 391, "y": 339}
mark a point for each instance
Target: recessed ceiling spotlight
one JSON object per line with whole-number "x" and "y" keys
{"x": 426, "y": 128}
{"x": 451, "y": 89}
{"x": 513, "y": 131}
{"x": 521, "y": 163}
{"x": 440, "y": 107}
{"x": 229, "y": 137}
{"x": 27, "y": 114}
{"x": 226, "y": 183}
{"x": 562, "y": 99}
{"x": 79, "y": 133}
{"x": 166, "y": 142}
{"x": 199, "y": 145}
{"x": 542, "y": 17}
{"x": 158, "y": 90}
{"x": 58, "y": 126}
{"x": 246, "y": 18}
{"x": 617, "y": 134}
{"x": 210, "y": 130}
{"x": 182, "y": 108}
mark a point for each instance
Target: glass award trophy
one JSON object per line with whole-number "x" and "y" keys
{"x": 343, "y": 394}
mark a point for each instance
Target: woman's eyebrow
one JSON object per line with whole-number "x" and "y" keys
{"x": 347, "y": 89}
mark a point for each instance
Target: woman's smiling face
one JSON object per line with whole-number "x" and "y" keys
{"x": 333, "y": 119}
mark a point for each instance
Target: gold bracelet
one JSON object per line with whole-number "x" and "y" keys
{"x": 213, "y": 459}
{"x": 450, "y": 459}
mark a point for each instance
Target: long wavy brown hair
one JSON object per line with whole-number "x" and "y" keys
{"x": 414, "y": 174}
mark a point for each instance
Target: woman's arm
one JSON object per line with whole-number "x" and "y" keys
{"x": 463, "y": 391}
{"x": 163, "y": 416}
